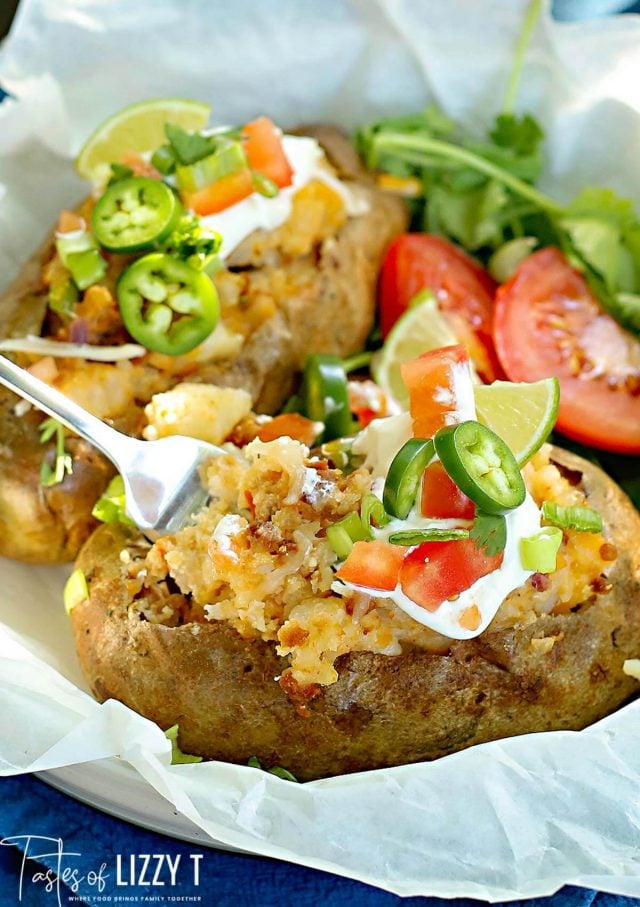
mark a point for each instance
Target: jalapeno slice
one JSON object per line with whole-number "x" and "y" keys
{"x": 325, "y": 395}
{"x": 481, "y": 465}
{"x": 167, "y": 305}
{"x": 134, "y": 214}
{"x": 404, "y": 476}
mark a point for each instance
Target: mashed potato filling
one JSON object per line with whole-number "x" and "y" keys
{"x": 258, "y": 558}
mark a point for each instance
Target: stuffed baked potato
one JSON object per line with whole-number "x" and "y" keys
{"x": 306, "y": 286}
{"x": 143, "y": 639}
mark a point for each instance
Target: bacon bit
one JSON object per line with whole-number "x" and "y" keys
{"x": 299, "y": 694}
{"x": 45, "y": 369}
{"x": 601, "y": 585}
{"x": 250, "y": 504}
{"x": 470, "y": 618}
{"x": 540, "y": 582}
{"x": 290, "y": 425}
{"x": 70, "y": 222}
{"x": 293, "y": 636}
{"x": 139, "y": 166}
{"x": 608, "y": 551}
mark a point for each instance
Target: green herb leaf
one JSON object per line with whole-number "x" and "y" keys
{"x": 63, "y": 464}
{"x": 189, "y": 147}
{"x": 193, "y": 243}
{"x": 111, "y": 507}
{"x": 119, "y": 172}
{"x": 489, "y": 532}
{"x": 523, "y": 136}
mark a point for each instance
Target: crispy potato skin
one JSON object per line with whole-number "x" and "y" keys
{"x": 332, "y": 313}
{"x": 382, "y": 710}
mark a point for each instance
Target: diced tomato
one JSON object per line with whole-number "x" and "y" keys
{"x": 463, "y": 289}
{"x": 441, "y": 497}
{"x": 367, "y": 401}
{"x": 263, "y": 147}
{"x": 434, "y": 381}
{"x": 436, "y": 571}
{"x": 375, "y": 564}
{"x": 549, "y": 323}
{"x": 222, "y": 194}
{"x": 69, "y": 222}
{"x": 289, "y": 425}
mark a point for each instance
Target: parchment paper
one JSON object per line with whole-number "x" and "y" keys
{"x": 512, "y": 819}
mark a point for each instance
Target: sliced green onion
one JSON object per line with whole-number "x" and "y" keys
{"x": 539, "y": 551}
{"x": 119, "y": 172}
{"x": 226, "y": 160}
{"x": 263, "y": 185}
{"x": 340, "y": 453}
{"x": 418, "y": 536}
{"x": 63, "y": 462}
{"x": 404, "y": 476}
{"x": 372, "y": 512}
{"x": 75, "y": 590}
{"x": 582, "y": 519}
{"x": 77, "y": 241}
{"x": 164, "y": 160}
{"x": 344, "y": 533}
{"x": 112, "y": 506}
{"x": 86, "y": 267}
{"x": 63, "y": 297}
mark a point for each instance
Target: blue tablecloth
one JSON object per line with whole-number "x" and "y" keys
{"x": 30, "y": 807}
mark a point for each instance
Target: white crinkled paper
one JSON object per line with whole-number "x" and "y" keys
{"x": 515, "y": 818}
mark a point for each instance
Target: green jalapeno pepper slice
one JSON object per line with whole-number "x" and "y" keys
{"x": 325, "y": 395}
{"x": 404, "y": 476}
{"x": 134, "y": 214}
{"x": 167, "y": 305}
{"x": 481, "y": 465}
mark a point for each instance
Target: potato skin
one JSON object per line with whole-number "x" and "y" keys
{"x": 333, "y": 313}
{"x": 383, "y": 710}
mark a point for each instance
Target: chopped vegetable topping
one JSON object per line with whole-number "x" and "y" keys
{"x": 438, "y": 383}
{"x": 404, "y": 476}
{"x": 134, "y": 214}
{"x": 582, "y": 519}
{"x": 325, "y": 395}
{"x": 372, "y": 512}
{"x": 489, "y": 533}
{"x": 343, "y": 534}
{"x": 539, "y": 551}
{"x": 63, "y": 463}
{"x": 111, "y": 507}
{"x": 374, "y": 564}
{"x": 75, "y": 590}
{"x": 434, "y": 534}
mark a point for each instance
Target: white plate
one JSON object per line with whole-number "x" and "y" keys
{"x": 113, "y": 787}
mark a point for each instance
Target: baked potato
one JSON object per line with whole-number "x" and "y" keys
{"x": 217, "y": 680}
{"x": 308, "y": 286}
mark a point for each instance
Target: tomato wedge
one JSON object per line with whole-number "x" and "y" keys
{"x": 463, "y": 289}
{"x": 548, "y": 322}
{"x": 263, "y": 147}
{"x": 439, "y": 383}
{"x": 441, "y": 497}
{"x": 435, "y": 571}
{"x": 289, "y": 425}
{"x": 375, "y": 564}
{"x": 222, "y": 194}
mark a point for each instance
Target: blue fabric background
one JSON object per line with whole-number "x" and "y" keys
{"x": 30, "y": 807}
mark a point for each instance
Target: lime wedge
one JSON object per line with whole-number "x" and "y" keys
{"x": 522, "y": 414}
{"x": 419, "y": 329}
{"x": 138, "y": 127}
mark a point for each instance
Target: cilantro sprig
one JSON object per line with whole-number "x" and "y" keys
{"x": 63, "y": 464}
{"x": 489, "y": 532}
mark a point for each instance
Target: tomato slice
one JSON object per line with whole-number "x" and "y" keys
{"x": 289, "y": 425}
{"x": 435, "y": 571}
{"x": 263, "y": 147}
{"x": 548, "y": 322}
{"x": 441, "y": 497}
{"x": 438, "y": 382}
{"x": 222, "y": 194}
{"x": 375, "y": 564}
{"x": 463, "y": 289}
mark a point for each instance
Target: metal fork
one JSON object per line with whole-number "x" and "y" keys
{"x": 161, "y": 478}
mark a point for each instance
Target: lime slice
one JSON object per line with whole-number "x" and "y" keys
{"x": 522, "y": 414}
{"x": 138, "y": 127}
{"x": 420, "y": 329}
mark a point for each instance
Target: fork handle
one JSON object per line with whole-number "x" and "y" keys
{"x": 113, "y": 444}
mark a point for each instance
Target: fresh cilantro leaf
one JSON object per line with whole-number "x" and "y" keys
{"x": 189, "y": 147}
{"x": 489, "y": 532}
{"x": 193, "y": 243}
{"x": 523, "y": 136}
{"x": 119, "y": 172}
{"x": 63, "y": 464}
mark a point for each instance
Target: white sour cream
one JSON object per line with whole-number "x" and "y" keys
{"x": 258, "y": 212}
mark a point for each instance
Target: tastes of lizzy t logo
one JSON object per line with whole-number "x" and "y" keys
{"x": 157, "y": 873}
